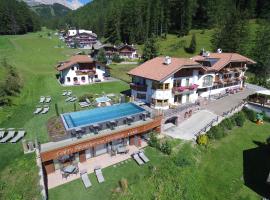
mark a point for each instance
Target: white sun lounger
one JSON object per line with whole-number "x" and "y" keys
{"x": 48, "y": 99}
{"x": 38, "y": 110}
{"x": 84, "y": 104}
{"x": 2, "y": 132}
{"x": 64, "y": 93}
{"x": 20, "y": 135}
{"x": 99, "y": 175}
{"x": 68, "y": 99}
{"x": 73, "y": 99}
{"x": 143, "y": 157}
{"x": 69, "y": 92}
{"x": 42, "y": 99}
{"x": 137, "y": 159}
{"x": 45, "y": 110}
{"x": 85, "y": 179}
{"x": 11, "y": 133}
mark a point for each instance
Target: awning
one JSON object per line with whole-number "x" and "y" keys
{"x": 264, "y": 92}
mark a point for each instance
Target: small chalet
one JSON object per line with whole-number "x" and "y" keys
{"x": 82, "y": 70}
{"x": 127, "y": 51}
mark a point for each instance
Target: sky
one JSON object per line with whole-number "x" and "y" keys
{"x": 84, "y": 1}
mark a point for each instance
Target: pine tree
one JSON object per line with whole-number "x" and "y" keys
{"x": 101, "y": 57}
{"x": 192, "y": 45}
{"x": 150, "y": 49}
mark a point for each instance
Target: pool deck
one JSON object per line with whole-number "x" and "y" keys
{"x": 54, "y": 145}
{"x": 55, "y": 179}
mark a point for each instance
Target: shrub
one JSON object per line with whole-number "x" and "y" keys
{"x": 240, "y": 119}
{"x": 250, "y": 114}
{"x": 86, "y": 96}
{"x": 216, "y": 132}
{"x": 124, "y": 184}
{"x": 153, "y": 142}
{"x": 116, "y": 58}
{"x": 166, "y": 148}
{"x": 227, "y": 124}
{"x": 202, "y": 140}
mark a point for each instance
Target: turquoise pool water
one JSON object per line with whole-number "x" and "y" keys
{"x": 93, "y": 116}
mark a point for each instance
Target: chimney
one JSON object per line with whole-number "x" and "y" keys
{"x": 167, "y": 60}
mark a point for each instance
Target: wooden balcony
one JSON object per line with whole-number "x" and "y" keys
{"x": 137, "y": 87}
{"x": 85, "y": 72}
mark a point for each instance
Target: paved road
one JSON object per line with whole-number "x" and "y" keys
{"x": 187, "y": 129}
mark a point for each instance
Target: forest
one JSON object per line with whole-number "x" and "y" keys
{"x": 17, "y": 18}
{"x": 134, "y": 21}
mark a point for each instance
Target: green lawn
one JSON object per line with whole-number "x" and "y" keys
{"x": 35, "y": 59}
{"x": 213, "y": 173}
{"x": 120, "y": 71}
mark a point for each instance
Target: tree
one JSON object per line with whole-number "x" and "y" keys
{"x": 232, "y": 35}
{"x": 261, "y": 54}
{"x": 101, "y": 57}
{"x": 166, "y": 148}
{"x": 150, "y": 49}
{"x": 192, "y": 45}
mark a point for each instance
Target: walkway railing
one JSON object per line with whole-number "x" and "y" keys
{"x": 178, "y": 109}
{"x": 210, "y": 124}
{"x": 225, "y": 114}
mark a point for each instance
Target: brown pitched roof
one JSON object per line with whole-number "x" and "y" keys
{"x": 77, "y": 59}
{"x": 155, "y": 69}
{"x": 223, "y": 59}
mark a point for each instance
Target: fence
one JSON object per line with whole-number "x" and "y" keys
{"x": 178, "y": 109}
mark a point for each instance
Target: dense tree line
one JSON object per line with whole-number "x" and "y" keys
{"x": 136, "y": 20}
{"x": 17, "y": 18}
{"x": 11, "y": 85}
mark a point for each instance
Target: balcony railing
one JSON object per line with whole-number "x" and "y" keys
{"x": 86, "y": 72}
{"x": 138, "y": 87}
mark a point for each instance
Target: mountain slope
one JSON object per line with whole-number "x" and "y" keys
{"x": 51, "y": 11}
{"x": 72, "y": 4}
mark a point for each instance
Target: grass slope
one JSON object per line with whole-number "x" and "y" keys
{"x": 35, "y": 58}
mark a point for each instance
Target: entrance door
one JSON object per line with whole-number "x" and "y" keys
{"x": 100, "y": 149}
{"x": 88, "y": 153}
{"x": 178, "y": 98}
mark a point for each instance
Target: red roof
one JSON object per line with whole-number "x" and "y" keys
{"x": 155, "y": 69}
{"x": 77, "y": 59}
{"x": 223, "y": 59}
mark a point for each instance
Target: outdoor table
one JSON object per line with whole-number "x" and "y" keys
{"x": 122, "y": 149}
{"x": 69, "y": 169}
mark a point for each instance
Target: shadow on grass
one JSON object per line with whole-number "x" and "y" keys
{"x": 256, "y": 165}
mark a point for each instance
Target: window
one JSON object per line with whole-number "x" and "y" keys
{"x": 207, "y": 81}
{"x": 167, "y": 85}
{"x": 141, "y": 96}
{"x": 75, "y": 79}
{"x": 177, "y": 83}
{"x": 98, "y": 67}
{"x": 96, "y": 76}
{"x": 187, "y": 82}
{"x": 72, "y": 68}
{"x": 83, "y": 79}
{"x": 187, "y": 98}
{"x": 68, "y": 79}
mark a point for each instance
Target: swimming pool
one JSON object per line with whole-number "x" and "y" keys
{"x": 97, "y": 115}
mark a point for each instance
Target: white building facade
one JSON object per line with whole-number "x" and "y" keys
{"x": 184, "y": 81}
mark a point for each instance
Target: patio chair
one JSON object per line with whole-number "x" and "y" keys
{"x": 99, "y": 175}
{"x": 45, "y": 110}
{"x": 48, "y": 99}
{"x": 38, "y": 110}
{"x": 68, "y": 99}
{"x": 20, "y": 135}
{"x": 42, "y": 99}
{"x": 10, "y": 134}
{"x": 143, "y": 157}
{"x": 2, "y": 132}
{"x": 64, "y": 175}
{"x": 137, "y": 159}
{"x": 64, "y": 93}
{"x": 85, "y": 179}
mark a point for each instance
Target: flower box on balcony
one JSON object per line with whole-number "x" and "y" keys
{"x": 193, "y": 87}
{"x": 181, "y": 88}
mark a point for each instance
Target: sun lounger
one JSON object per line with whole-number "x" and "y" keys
{"x": 38, "y": 110}
{"x": 137, "y": 159}
{"x": 64, "y": 93}
{"x": 69, "y": 93}
{"x": 68, "y": 99}
{"x": 42, "y": 99}
{"x": 2, "y": 132}
{"x": 48, "y": 99}
{"x": 85, "y": 179}
{"x": 84, "y": 104}
{"x": 20, "y": 135}
{"x": 11, "y": 133}
{"x": 143, "y": 157}
{"x": 99, "y": 175}
{"x": 73, "y": 99}
{"x": 45, "y": 110}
